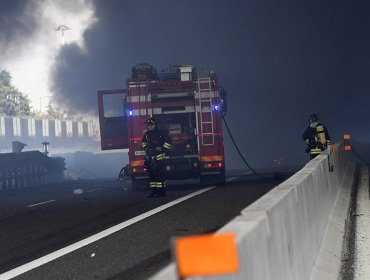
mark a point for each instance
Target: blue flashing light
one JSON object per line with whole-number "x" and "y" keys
{"x": 216, "y": 107}
{"x": 130, "y": 113}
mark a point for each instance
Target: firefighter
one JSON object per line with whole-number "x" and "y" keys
{"x": 155, "y": 144}
{"x": 316, "y": 136}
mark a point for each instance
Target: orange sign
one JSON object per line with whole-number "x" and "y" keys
{"x": 207, "y": 254}
{"x": 347, "y": 148}
{"x": 346, "y": 136}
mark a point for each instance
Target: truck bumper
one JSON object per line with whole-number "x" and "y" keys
{"x": 182, "y": 167}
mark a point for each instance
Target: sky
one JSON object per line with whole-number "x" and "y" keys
{"x": 280, "y": 61}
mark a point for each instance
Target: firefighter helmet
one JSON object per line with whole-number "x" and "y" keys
{"x": 313, "y": 118}
{"x": 151, "y": 121}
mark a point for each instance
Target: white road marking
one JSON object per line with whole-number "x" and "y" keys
{"x": 40, "y": 203}
{"x": 231, "y": 179}
{"x": 362, "y": 253}
{"x": 57, "y": 254}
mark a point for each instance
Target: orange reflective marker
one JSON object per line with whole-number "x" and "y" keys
{"x": 347, "y": 148}
{"x": 207, "y": 254}
{"x": 346, "y": 136}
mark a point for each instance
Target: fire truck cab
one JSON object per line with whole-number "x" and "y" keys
{"x": 188, "y": 105}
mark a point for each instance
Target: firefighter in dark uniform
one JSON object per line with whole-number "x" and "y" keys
{"x": 316, "y": 137}
{"x": 155, "y": 144}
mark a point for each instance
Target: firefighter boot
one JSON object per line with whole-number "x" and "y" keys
{"x": 153, "y": 192}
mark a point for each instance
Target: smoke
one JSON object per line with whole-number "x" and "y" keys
{"x": 17, "y": 26}
{"x": 279, "y": 60}
{"x": 29, "y": 42}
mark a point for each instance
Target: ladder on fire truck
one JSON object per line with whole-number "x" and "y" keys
{"x": 205, "y": 109}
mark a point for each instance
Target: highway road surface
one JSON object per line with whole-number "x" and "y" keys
{"x": 105, "y": 230}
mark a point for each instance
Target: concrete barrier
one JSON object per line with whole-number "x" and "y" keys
{"x": 294, "y": 231}
{"x": 61, "y": 134}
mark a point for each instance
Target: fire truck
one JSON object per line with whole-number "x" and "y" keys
{"x": 188, "y": 104}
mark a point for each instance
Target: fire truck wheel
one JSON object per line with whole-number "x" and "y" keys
{"x": 206, "y": 180}
{"x": 139, "y": 183}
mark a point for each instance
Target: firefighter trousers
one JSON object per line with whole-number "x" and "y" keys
{"x": 157, "y": 175}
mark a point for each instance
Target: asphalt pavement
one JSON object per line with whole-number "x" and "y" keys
{"x": 39, "y": 222}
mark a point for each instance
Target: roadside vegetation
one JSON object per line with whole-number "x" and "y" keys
{"x": 14, "y": 103}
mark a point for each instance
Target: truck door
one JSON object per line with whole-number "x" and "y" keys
{"x": 112, "y": 106}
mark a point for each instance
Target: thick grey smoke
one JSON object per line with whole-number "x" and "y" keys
{"x": 279, "y": 60}
{"x": 29, "y": 41}
{"x": 17, "y": 25}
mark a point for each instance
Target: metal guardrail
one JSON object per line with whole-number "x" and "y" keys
{"x": 27, "y": 169}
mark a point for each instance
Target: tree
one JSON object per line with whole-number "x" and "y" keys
{"x": 12, "y": 101}
{"x": 55, "y": 113}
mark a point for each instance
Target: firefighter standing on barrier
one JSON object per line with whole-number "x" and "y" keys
{"x": 316, "y": 137}
{"x": 155, "y": 144}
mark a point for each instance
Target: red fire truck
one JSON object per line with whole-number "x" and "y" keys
{"x": 188, "y": 104}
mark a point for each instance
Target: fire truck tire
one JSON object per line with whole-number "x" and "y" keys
{"x": 206, "y": 180}
{"x": 139, "y": 183}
